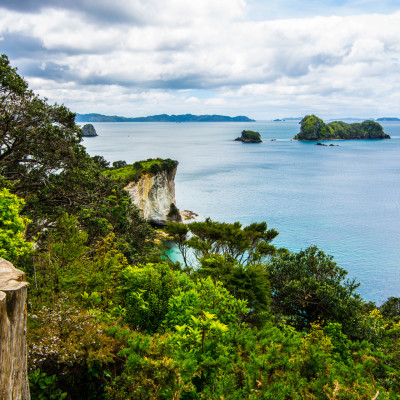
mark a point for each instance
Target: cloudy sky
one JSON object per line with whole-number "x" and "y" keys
{"x": 261, "y": 58}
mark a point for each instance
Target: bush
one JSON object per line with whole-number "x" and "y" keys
{"x": 119, "y": 164}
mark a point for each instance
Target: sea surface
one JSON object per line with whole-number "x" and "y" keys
{"x": 345, "y": 199}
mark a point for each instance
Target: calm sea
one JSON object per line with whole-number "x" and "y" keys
{"x": 344, "y": 199}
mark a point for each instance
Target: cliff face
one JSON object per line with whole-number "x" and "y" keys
{"x": 154, "y": 194}
{"x": 13, "y": 353}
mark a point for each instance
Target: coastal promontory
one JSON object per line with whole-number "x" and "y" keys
{"x": 150, "y": 184}
{"x": 315, "y": 129}
{"x": 249, "y": 137}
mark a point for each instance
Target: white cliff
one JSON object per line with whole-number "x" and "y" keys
{"x": 154, "y": 195}
{"x": 13, "y": 352}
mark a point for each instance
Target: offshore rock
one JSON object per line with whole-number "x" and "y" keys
{"x": 249, "y": 137}
{"x": 88, "y": 130}
{"x": 154, "y": 195}
{"x": 13, "y": 351}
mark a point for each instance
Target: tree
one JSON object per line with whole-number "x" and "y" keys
{"x": 119, "y": 164}
{"x": 36, "y": 139}
{"x": 245, "y": 282}
{"x": 42, "y": 161}
{"x": 12, "y": 227}
{"x": 391, "y": 308}
{"x": 308, "y": 286}
{"x": 146, "y": 291}
{"x": 248, "y": 245}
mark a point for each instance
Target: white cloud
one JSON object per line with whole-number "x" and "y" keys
{"x": 346, "y": 62}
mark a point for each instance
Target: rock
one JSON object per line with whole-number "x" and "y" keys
{"x": 13, "y": 351}
{"x": 154, "y": 195}
{"x": 89, "y": 131}
{"x": 321, "y": 144}
{"x": 188, "y": 215}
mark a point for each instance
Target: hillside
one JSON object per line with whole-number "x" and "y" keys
{"x": 161, "y": 118}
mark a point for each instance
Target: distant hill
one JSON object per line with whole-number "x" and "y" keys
{"x": 161, "y": 118}
{"x": 388, "y": 119}
{"x": 351, "y": 119}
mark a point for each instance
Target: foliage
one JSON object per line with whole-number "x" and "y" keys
{"x": 146, "y": 291}
{"x": 204, "y": 295}
{"x": 248, "y": 245}
{"x": 12, "y": 227}
{"x": 313, "y": 128}
{"x": 68, "y": 263}
{"x": 36, "y": 139}
{"x": 119, "y": 164}
{"x": 246, "y": 282}
{"x": 391, "y": 308}
{"x": 250, "y": 136}
{"x": 133, "y": 172}
{"x": 70, "y": 342}
{"x": 206, "y": 358}
{"x": 173, "y": 211}
{"x": 308, "y": 286}
{"x": 44, "y": 387}
{"x": 42, "y": 161}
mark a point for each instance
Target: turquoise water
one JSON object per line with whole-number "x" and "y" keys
{"x": 344, "y": 199}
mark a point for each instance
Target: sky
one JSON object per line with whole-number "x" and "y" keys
{"x": 265, "y": 59}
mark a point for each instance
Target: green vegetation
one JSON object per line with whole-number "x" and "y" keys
{"x": 313, "y": 128}
{"x": 133, "y": 172}
{"x": 110, "y": 317}
{"x": 249, "y": 137}
{"x": 12, "y": 227}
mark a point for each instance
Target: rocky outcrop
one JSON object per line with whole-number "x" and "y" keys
{"x": 13, "y": 353}
{"x": 314, "y": 128}
{"x": 249, "y": 137}
{"x": 88, "y": 130}
{"x": 154, "y": 194}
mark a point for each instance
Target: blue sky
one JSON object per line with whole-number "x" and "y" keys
{"x": 258, "y": 58}
{"x": 303, "y": 9}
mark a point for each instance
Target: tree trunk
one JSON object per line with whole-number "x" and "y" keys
{"x": 13, "y": 353}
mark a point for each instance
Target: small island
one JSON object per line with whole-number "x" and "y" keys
{"x": 314, "y": 128}
{"x": 249, "y": 137}
{"x": 89, "y": 131}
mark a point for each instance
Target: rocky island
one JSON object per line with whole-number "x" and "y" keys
{"x": 249, "y": 137}
{"x": 314, "y": 128}
{"x": 151, "y": 187}
{"x": 89, "y": 131}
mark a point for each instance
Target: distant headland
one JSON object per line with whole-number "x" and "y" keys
{"x": 389, "y": 119}
{"x": 315, "y": 129}
{"x": 162, "y": 118}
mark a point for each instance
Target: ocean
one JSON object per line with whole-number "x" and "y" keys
{"x": 345, "y": 199}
